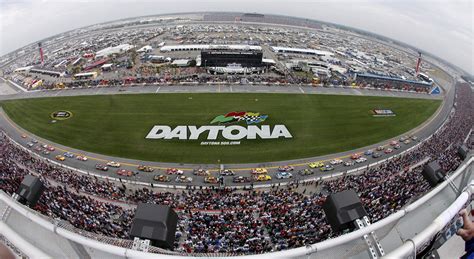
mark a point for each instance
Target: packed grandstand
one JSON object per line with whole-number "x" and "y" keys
{"x": 240, "y": 221}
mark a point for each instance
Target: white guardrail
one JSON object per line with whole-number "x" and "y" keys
{"x": 310, "y": 251}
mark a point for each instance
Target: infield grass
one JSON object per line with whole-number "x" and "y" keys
{"x": 116, "y": 125}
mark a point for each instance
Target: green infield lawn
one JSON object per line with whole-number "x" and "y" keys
{"x": 116, "y": 125}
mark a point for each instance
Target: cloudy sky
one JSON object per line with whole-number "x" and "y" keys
{"x": 441, "y": 27}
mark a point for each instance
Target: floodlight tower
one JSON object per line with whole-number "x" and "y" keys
{"x": 41, "y": 53}
{"x": 418, "y": 63}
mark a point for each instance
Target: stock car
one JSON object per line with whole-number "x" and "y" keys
{"x": 226, "y": 172}
{"x": 201, "y": 172}
{"x": 262, "y": 178}
{"x": 240, "y": 179}
{"x": 183, "y": 179}
{"x": 326, "y": 168}
{"x": 34, "y": 141}
{"x": 407, "y": 141}
{"x": 23, "y": 136}
{"x": 355, "y": 156}
{"x": 388, "y": 151}
{"x": 397, "y": 146}
{"x": 380, "y": 148}
{"x": 145, "y": 168}
{"x": 349, "y": 163}
{"x": 174, "y": 171}
{"x": 283, "y": 175}
{"x": 125, "y": 172}
{"x": 49, "y": 148}
{"x": 361, "y": 160}
{"x": 259, "y": 171}
{"x": 376, "y": 155}
{"x": 161, "y": 178}
{"x": 393, "y": 143}
{"x": 402, "y": 139}
{"x": 368, "y": 152}
{"x": 316, "y": 164}
{"x": 211, "y": 179}
{"x": 81, "y": 158}
{"x": 336, "y": 162}
{"x": 29, "y": 144}
{"x": 68, "y": 154}
{"x": 113, "y": 164}
{"x": 286, "y": 168}
{"x": 60, "y": 158}
{"x": 101, "y": 167}
{"x": 37, "y": 149}
{"x": 414, "y": 138}
{"x": 45, "y": 152}
{"x": 306, "y": 172}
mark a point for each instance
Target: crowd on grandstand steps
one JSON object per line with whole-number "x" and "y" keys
{"x": 252, "y": 221}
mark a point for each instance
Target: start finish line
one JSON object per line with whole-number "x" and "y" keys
{"x": 234, "y": 132}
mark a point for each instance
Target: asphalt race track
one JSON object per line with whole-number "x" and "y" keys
{"x": 422, "y": 132}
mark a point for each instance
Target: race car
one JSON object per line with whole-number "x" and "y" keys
{"x": 368, "y": 152}
{"x": 259, "y": 171}
{"x": 226, "y": 172}
{"x": 38, "y": 149}
{"x": 240, "y": 179}
{"x": 81, "y": 158}
{"x": 397, "y": 146}
{"x": 211, "y": 179}
{"x": 101, "y": 167}
{"x": 46, "y": 152}
{"x": 29, "y": 144}
{"x": 316, "y": 164}
{"x": 286, "y": 168}
{"x": 145, "y": 168}
{"x": 355, "y": 156}
{"x": 388, "y": 151}
{"x": 23, "y": 136}
{"x": 283, "y": 175}
{"x": 380, "y": 148}
{"x": 349, "y": 163}
{"x": 183, "y": 179}
{"x": 326, "y": 168}
{"x": 376, "y": 155}
{"x": 113, "y": 164}
{"x": 414, "y": 138}
{"x": 34, "y": 141}
{"x": 262, "y": 178}
{"x": 51, "y": 149}
{"x": 60, "y": 158}
{"x": 306, "y": 172}
{"x": 406, "y": 142}
{"x": 336, "y": 161}
{"x": 161, "y": 178}
{"x": 124, "y": 172}
{"x": 68, "y": 154}
{"x": 393, "y": 143}
{"x": 402, "y": 139}
{"x": 201, "y": 172}
{"x": 361, "y": 160}
{"x": 174, "y": 171}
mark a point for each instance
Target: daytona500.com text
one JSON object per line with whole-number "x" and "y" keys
{"x": 219, "y": 143}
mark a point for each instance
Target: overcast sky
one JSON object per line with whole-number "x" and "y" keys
{"x": 442, "y": 27}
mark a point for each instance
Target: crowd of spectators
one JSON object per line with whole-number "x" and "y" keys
{"x": 240, "y": 221}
